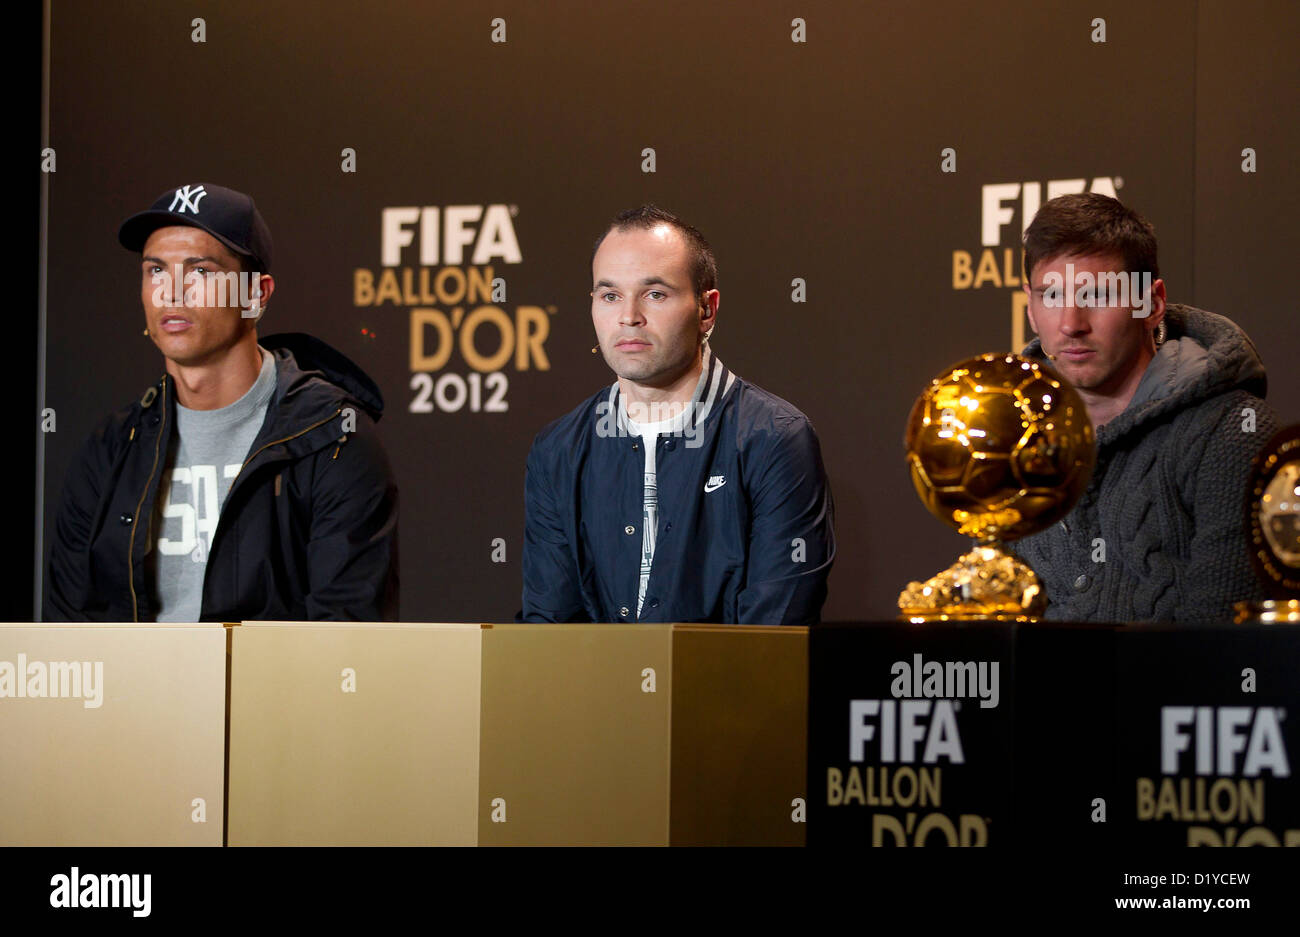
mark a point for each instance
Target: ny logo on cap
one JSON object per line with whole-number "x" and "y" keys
{"x": 187, "y": 199}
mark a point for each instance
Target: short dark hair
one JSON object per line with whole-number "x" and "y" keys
{"x": 1091, "y": 223}
{"x": 704, "y": 269}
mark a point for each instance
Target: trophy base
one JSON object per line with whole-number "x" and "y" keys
{"x": 920, "y": 617}
{"x": 986, "y": 584}
{"x": 1272, "y": 612}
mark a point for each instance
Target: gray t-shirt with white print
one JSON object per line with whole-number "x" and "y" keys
{"x": 205, "y": 455}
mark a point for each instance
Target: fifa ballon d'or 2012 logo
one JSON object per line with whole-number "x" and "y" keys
{"x": 446, "y": 265}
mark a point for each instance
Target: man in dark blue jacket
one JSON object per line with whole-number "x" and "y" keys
{"x": 681, "y": 492}
{"x": 248, "y": 482}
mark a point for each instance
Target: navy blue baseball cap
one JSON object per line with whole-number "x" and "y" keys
{"x": 227, "y": 215}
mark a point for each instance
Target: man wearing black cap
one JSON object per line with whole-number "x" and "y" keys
{"x": 249, "y": 482}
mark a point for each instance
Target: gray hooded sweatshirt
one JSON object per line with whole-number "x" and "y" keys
{"x": 1159, "y": 534}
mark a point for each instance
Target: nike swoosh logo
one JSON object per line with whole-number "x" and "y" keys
{"x": 712, "y": 486}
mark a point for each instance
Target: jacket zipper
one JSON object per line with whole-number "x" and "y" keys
{"x": 276, "y": 442}
{"x": 130, "y": 546}
{"x": 235, "y": 481}
{"x": 135, "y": 614}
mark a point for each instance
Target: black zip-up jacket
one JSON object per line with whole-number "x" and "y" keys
{"x": 308, "y": 530}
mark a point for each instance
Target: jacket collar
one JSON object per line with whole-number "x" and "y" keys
{"x": 715, "y": 380}
{"x": 314, "y": 387}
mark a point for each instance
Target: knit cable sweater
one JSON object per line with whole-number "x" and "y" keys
{"x": 1159, "y": 533}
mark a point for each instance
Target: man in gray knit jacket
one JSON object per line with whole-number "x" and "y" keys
{"x": 1176, "y": 397}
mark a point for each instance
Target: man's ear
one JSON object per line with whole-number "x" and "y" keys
{"x": 267, "y": 286}
{"x": 264, "y": 287}
{"x": 1029, "y": 309}
{"x": 1157, "y": 302}
{"x": 709, "y": 303}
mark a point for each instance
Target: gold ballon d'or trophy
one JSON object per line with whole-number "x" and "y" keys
{"x": 999, "y": 447}
{"x": 1273, "y": 530}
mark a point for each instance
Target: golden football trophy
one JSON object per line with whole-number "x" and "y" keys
{"x": 1273, "y": 530}
{"x": 999, "y": 447}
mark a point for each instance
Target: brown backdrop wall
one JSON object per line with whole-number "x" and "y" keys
{"x": 817, "y": 160}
